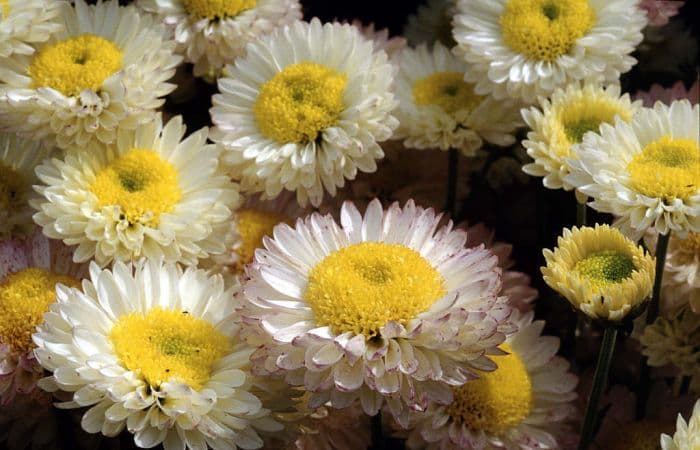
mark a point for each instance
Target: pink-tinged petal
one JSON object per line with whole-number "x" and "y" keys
{"x": 327, "y": 355}
{"x": 287, "y": 334}
{"x": 347, "y": 377}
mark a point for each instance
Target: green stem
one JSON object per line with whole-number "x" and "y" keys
{"x": 600, "y": 378}
{"x": 581, "y": 214}
{"x": 451, "y": 198}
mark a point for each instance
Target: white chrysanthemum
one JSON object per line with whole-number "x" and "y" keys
{"x": 213, "y": 33}
{"x": 304, "y": 110}
{"x": 27, "y": 22}
{"x": 526, "y": 48}
{"x": 674, "y": 341}
{"x": 522, "y": 405}
{"x": 391, "y": 45}
{"x": 18, "y": 158}
{"x": 385, "y": 308}
{"x": 153, "y": 349}
{"x": 646, "y": 172}
{"x": 437, "y": 109}
{"x": 431, "y": 23}
{"x": 107, "y": 67}
{"x": 150, "y": 194}
{"x": 29, "y": 271}
{"x": 687, "y": 435}
{"x": 681, "y": 281}
{"x": 559, "y": 123}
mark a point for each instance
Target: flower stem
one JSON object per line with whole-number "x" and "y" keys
{"x": 451, "y": 197}
{"x": 607, "y": 348}
{"x": 581, "y": 214}
{"x": 377, "y": 434}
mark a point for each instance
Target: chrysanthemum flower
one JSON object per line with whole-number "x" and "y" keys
{"x": 30, "y": 269}
{"x": 384, "y": 308}
{"x": 437, "y": 109}
{"x": 599, "y": 271}
{"x": 149, "y": 194}
{"x": 646, "y": 172}
{"x": 681, "y": 281}
{"x": 18, "y": 158}
{"x": 431, "y": 23}
{"x": 107, "y": 67}
{"x": 674, "y": 341}
{"x": 667, "y": 95}
{"x": 391, "y": 45}
{"x": 212, "y": 33}
{"x": 27, "y": 22}
{"x": 153, "y": 349}
{"x": 559, "y": 123}
{"x": 687, "y": 435}
{"x": 304, "y": 110}
{"x": 526, "y": 48}
{"x": 523, "y": 404}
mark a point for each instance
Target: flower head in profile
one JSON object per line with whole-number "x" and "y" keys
{"x": 154, "y": 349}
{"x": 212, "y": 33}
{"x": 30, "y": 270}
{"x": 524, "y": 404}
{"x": 304, "y": 110}
{"x": 528, "y": 48}
{"x": 150, "y": 194}
{"x": 687, "y": 435}
{"x": 388, "y": 308}
{"x": 646, "y": 172}
{"x": 681, "y": 281}
{"x": 107, "y": 67}
{"x": 437, "y": 109}
{"x": 673, "y": 340}
{"x": 24, "y": 23}
{"x": 599, "y": 271}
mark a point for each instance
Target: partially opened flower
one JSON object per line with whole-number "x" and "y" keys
{"x": 561, "y": 121}
{"x": 304, "y": 110}
{"x": 438, "y": 110}
{"x": 528, "y": 48}
{"x": 687, "y": 435}
{"x": 383, "y": 308}
{"x": 212, "y": 33}
{"x": 108, "y": 66}
{"x": 524, "y": 404}
{"x": 27, "y": 22}
{"x": 646, "y": 172}
{"x": 674, "y": 341}
{"x": 599, "y": 271}
{"x": 30, "y": 269}
{"x": 150, "y": 194}
{"x": 18, "y": 158}
{"x": 154, "y": 349}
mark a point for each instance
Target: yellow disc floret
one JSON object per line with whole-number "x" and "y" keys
{"x": 667, "y": 168}
{"x": 585, "y": 114}
{"x": 169, "y": 345}
{"x": 11, "y": 187}
{"x": 141, "y": 183}
{"x": 217, "y": 9}
{"x": 362, "y": 287}
{"x": 253, "y": 225}
{"x": 544, "y": 30}
{"x": 4, "y": 8}
{"x": 75, "y": 64}
{"x": 498, "y": 400}
{"x": 446, "y": 90}
{"x": 603, "y": 268}
{"x": 300, "y": 102}
{"x": 642, "y": 435}
{"x": 24, "y": 298}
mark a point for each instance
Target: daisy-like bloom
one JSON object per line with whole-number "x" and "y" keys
{"x": 667, "y": 95}
{"x": 523, "y": 404}
{"x": 391, "y": 45}
{"x": 646, "y": 172}
{"x": 304, "y": 110}
{"x": 106, "y": 67}
{"x": 30, "y": 269}
{"x": 150, "y": 194}
{"x": 431, "y": 23}
{"x": 599, "y": 271}
{"x": 18, "y": 158}
{"x": 154, "y": 349}
{"x": 560, "y": 122}
{"x": 687, "y": 435}
{"x": 525, "y": 48}
{"x": 660, "y": 11}
{"x": 437, "y": 109}
{"x": 213, "y": 33}
{"x": 27, "y": 22}
{"x": 385, "y": 308}
{"x": 674, "y": 341}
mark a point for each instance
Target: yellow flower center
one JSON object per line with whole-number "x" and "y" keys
{"x": 498, "y": 400}
{"x": 300, "y": 102}
{"x": 362, "y": 287}
{"x": 4, "y": 8}
{"x": 606, "y": 267}
{"x": 667, "y": 169}
{"x": 253, "y": 225}
{"x": 141, "y": 183}
{"x": 75, "y": 64}
{"x": 446, "y": 90}
{"x": 217, "y": 9}
{"x": 24, "y": 298}
{"x": 169, "y": 345}
{"x": 544, "y": 30}
{"x": 642, "y": 435}
{"x": 11, "y": 187}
